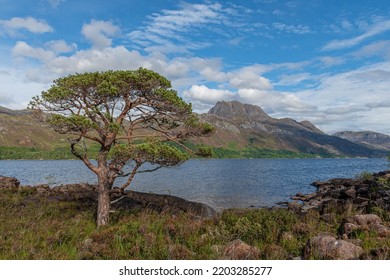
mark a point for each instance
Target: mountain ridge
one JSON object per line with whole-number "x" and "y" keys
{"x": 238, "y": 127}
{"x": 248, "y": 126}
{"x": 368, "y": 138}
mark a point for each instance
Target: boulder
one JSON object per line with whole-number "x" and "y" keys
{"x": 364, "y": 219}
{"x": 381, "y": 230}
{"x": 294, "y": 206}
{"x": 327, "y": 247}
{"x": 43, "y": 190}
{"x": 349, "y": 228}
{"x": 366, "y": 222}
{"x": 349, "y": 193}
{"x": 239, "y": 250}
{"x": 9, "y": 182}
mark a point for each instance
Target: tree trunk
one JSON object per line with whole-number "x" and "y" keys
{"x": 103, "y": 211}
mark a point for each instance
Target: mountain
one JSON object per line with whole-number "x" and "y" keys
{"x": 238, "y": 127}
{"x": 243, "y": 126}
{"x": 368, "y": 138}
{"x": 19, "y": 128}
{"x": 6, "y": 111}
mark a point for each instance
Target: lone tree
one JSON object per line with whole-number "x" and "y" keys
{"x": 133, "y": 116}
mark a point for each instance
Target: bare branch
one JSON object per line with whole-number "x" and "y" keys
{"x": 131, "y": 177}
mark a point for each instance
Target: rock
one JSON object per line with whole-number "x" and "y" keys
{"x": 361, "y": 201}
{"x": 294, "y": 206}
{"x": 9, "y": 182}
{"x": 43, "y": 190}
{"x": 87, "y": 194}
{"x": 364, "y": 220}
{"x": 327, "y": 247}
{"x": 349, "y": 193}
{"x": 171, "y": 204}
{"x": 349, "y": 228}
{"x": 239, "y": 250}
{"x": 363, "y": 191}
{"x": 381, "y": 230}
{"x": 358, "y": 194}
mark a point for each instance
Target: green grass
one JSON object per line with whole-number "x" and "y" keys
{"x": 61, "y": 152}
{"x": 34, "y": 228}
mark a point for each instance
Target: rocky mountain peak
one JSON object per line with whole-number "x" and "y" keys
{"x": 370, "y": 138}
{"x": 234, "y": 110}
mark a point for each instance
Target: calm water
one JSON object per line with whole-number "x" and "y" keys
{"x": 221, "y": 183}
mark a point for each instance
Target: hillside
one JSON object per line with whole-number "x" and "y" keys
{"x": 241, "y": 130}
{"x": 247, "y": 126}
{"x": 19, "y": 128}
{"x": 367, "y": 138}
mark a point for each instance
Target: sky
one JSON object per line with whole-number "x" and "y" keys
{"x": 325, "y": 61}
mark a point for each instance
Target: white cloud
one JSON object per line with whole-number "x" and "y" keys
{"x": 373, "y": 30}
{"x": 179, "y": 70}
{"x": 247, "y": 78}
{"x": 60, "y": 46}
{"x": 356, "y": 98}
{"x": 275, "y": 102}
{"x": 167, "y": 31}
{"x": 379, "y": 48}
{"x": 383, "y": 104}
{"x": 55, "y": 3}
{"x": 293, "y": 79}
{"x": 329, "y": 61}
{"x": 22, "y": 49}
{"x": 28, "y": 23}
{"x": 297, "y": 29}
{"x": 206, "y": 95}
{"x": 100, "y": 33}
{"x": 16, "y": 91}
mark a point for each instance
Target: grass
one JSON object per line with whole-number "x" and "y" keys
{"x": 31, "y": 153}
{"x": 35, "y": 228}
{"x": 63, "y": 152}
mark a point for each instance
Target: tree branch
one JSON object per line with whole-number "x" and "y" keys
{"x": 84, "y": 158}
{"x": 131, "y": 177}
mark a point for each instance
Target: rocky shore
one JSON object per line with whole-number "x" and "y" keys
{"x": 356, "y": 200}
{"x": 363, "y": 194}
{"x": 131, "y": 200}
{"x": 344, "y": 219}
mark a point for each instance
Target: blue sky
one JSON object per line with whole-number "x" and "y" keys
{"x": 323, "y": 61}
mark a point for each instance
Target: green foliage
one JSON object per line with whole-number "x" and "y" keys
{"x": 159, "y": 153}
{"x": 151, "y": 151}
{"x": 365, "y": 175}
{"x": 197, "y": 126}
{"x": 205, "y": 151}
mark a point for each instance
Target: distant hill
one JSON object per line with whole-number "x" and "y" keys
{"x": 19, "y": 128}
{"x": 368, "y": 138}
{"x": 243, "y": 125}
{"x": 238, "y": 127}
{"x": 10, "y": 112}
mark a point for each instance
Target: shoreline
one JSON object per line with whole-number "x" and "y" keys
{"x": 59, "y": 223}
